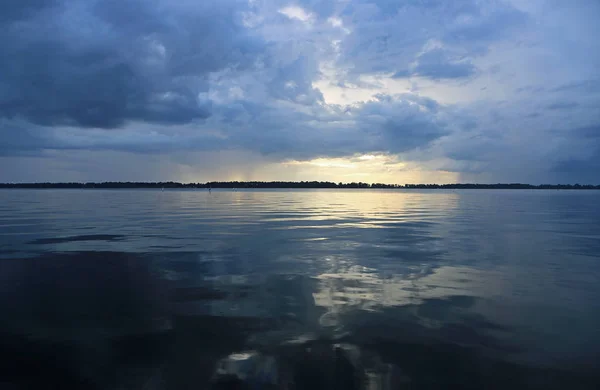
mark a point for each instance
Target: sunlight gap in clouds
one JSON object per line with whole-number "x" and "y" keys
{"x": 370, "y": 168}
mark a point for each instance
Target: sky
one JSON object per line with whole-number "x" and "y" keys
{"x": 393, "y": 91}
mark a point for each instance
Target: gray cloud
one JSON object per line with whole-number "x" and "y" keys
{"x": 20, "y": 139}
{"x": 388, "y": 36}
{"x": 276, "y": 130}
{"x": 292, "y": 80}
{"x": 585, "y": 86}
{"x": 484, "y": 22}
{"x": 504, "y": 90}
{"x": 583, "y": 170}
{"x": 11, "y": 10}
{"x": 438, "y": 64}
{"x": 562, "y": 105}
{"x": 101, "y": 64}
{"x": 402, "y": 123}
{"x": 589, "y": 132}
{"x": 388, "y": 123}
{"x": 583, "y": 163}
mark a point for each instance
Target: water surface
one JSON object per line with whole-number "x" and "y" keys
{"x": 465, "y": 289}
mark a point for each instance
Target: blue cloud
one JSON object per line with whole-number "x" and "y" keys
{"x": 437, "y": 64}
{"x": 488, "y": 81}
{"x": 562, "y": 105}
{"x": 136, "y": 60}
{"x": 582, "y": 170}
{"x": 388, "y": 36}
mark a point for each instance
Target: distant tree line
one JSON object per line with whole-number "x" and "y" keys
{"x": 505, "y": 186}
{"x": 295, "y": 184}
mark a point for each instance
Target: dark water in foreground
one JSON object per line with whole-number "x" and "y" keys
{"x": 330, "y": 289}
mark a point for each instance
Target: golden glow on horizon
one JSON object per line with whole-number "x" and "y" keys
{"x": 324, "y": 163}
{"x": 371, "y": 168}
{"x": 246, "y": 166}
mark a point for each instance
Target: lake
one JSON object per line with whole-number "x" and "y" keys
{"x": 408, "y": 288}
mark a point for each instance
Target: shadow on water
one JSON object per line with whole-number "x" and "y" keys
{"x": 112, "y": 320}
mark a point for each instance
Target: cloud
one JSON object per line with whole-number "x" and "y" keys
{"x": 582, "y": 169}
{"x": 585, "y": 86}
{"x": 589, "y": 132}
{"x": 562, "y": 105}
{"x": 388, "y": 36}
{"x": 19, "y": 10}
{"x": 277, "y": 130}
{"x": 479, "y": 89}
{"x": 483, "y": 22}
{"x": 579, "y": 166}
{"x": 295, "y": 12}
{"x": 102, "y": 64}
{"x": 19, "y": 138}
{"x": 388, "y": 123}
{"x": 437, "y": 64}
{"x": 401, "y": 123}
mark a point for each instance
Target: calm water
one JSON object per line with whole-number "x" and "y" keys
{"x": 149, "y": 289}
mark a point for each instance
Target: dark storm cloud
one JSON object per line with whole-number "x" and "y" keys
{"x": 102, "y": 64}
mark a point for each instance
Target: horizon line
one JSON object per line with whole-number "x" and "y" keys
{"x": 287, "y": 184}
